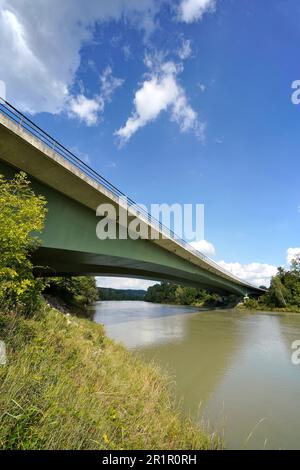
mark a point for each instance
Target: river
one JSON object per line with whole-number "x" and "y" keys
{"x": 233, "y": 369}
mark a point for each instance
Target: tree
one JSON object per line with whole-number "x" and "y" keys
{"x": 185, "y": 295}
{"x": 163, "y": 293}
{"x": 22, "y": 215}
{"x": 277, "y": 292}
{"x": 284, "y": 291}
{"x": 174, "y": 294}
{"x": 78, "y": 291}
{"x": 295, "y": 266}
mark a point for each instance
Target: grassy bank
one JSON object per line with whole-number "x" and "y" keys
{"x": 67, "y": 386}
{"x": 267, "y": 308}
{"x": 260, "y": 306}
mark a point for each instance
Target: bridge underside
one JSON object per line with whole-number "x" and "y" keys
{"x": 56, "y": 262}
{"x": 70, "y": 246}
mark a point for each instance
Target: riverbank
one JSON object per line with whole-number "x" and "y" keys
{"x": 66, "y": 385}
{"x": 254, "y": 306}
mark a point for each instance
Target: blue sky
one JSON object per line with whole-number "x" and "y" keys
{"x": 186, "y": 101}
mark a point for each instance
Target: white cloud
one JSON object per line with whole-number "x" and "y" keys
{"x": 124, "y": 283}
{"x": 193, "y": 10}
{"x": 159, "y": 92}
{"x": 185, "y": 50}
{"x": 258, "y": 274}
{"x": 41, "y": 44}
{"x": 2, "y": 90}
{"x": 88, "y": 110}
{"x": 85, "y": 109}
{"x": 291, "y": 254}
{"x": 255, "y": 273}
{"x": 109, "y": 83}
{"x": 204, "y": 247}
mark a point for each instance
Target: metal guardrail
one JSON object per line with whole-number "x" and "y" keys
{"x": 20, "y": 119}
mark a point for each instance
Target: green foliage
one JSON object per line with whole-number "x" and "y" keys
{"x": 174, "y": 294}
{"x": 185, "y": 295}
{"x": 277, "y": 294}
{"x": 296, "y": 266}
{"x": 250, "y": 303}
{"x": 77, "y": 292}
{"x": 284, "y": 291}
{"x": 22, "y": 215}
{"x": 163, "y": 293}
{"x": 107, "y": 293}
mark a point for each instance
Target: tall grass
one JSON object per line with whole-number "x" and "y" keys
{"x": 67, "y": 386}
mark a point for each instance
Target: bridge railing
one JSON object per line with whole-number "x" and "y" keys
{"x": 20, "y": 119}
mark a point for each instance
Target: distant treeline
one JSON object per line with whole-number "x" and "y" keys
{"x": 106, "y": 293}
{"x": 166, "y": 293}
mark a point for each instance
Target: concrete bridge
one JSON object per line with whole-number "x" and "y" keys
{"x": 73, "y": 191}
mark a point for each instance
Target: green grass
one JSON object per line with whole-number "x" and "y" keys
{"x": 256, "y": 306}
{"x": 67, "y": 386}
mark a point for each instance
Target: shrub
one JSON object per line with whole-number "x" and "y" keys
{"x": 250, "y": 303}
{"x": 22, "y": 215}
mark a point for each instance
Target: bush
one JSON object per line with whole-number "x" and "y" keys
{"x": 284, "y": 290}
{"x": 185, "y": 295}
{"x": 78, "y": 292}
{"x": 22, "y": 215}
{"x": 250, "y": 303}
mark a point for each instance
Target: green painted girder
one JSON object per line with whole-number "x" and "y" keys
{"x": 70, "y": 246}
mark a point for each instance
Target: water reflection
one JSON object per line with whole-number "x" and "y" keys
{"x": 202, "y": 358}
{"x": 139, "y": 324}
{"x": 237, "y": 364}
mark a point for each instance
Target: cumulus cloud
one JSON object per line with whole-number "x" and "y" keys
{"x": 88, "y": 110}
{"x": 193, "y": 10}
{"x": 204, "y": 247}
{"x": 258, "y": 274}
{"x": 291, "y": 254}
{"x": 160, "y": 91}
{"x": 255, "y": 273}
{"x": 41, "y": 43}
